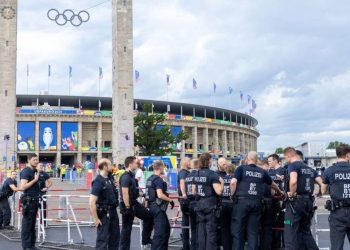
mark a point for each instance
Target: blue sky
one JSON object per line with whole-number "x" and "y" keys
{"x": 290, "y": 56}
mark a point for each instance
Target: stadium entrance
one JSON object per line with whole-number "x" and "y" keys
{"x": 47, "y": 159}
{"x": 68, "y": 160}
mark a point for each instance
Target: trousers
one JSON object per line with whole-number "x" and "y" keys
{"x": 206, "y": 228}
{"x": 193, "y": 225}
{"x": 29, "y": 211}
{"x": 339, "y": 224}
{"x": 5, "y": 212}
{"x": 108, "y": 234}
{"x": 127, "y": 221}
{"x": 245, "y": 221}
{"x": 185, "y": 233}
{"x": 297, "y": 225}
{"x": 267, "y": 218}
{"x": 161, "y": 228}
{"x": 225, "y": 223}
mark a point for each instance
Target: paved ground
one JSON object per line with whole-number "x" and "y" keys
{"x": 55, "y": 234}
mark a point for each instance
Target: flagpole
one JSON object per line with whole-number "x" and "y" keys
{"x": 69, "y": 85}
{"x": 27, "y": 81}
{"x": 99, "y": 87}
{"x": 48, "y": 85}
{"x": 167, "y": 92}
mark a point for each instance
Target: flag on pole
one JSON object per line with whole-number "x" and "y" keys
{"x": 214, "y": 86}
{"x": 70, "y": 71}
{"x": 49, "y": 70}
{"x": 194, "y": 83}
{"x": 249, "y": 99}
{"x": 27, "y": 70}
{"x": 137, "y": 76}
{"x": 241, "y": 95}
{"x": 168, "y": 79}
{"x": 100, "y": 73}
{"x": 253, "y": 105}
{"x": 230, "y": 90}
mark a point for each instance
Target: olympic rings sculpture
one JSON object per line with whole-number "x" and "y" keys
{"x": 68, "y": 16}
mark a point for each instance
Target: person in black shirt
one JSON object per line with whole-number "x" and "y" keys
{"x": 44, "y": 184}
{"x": 226, "y": 209}
{"x": 222, "y": 166}
{"x": 184, "y": 202}
{"x": 300, "y": 203}
{"x": 129, "y": 206}
{"x": 209, "y": 186}
{"x": 247, "y": 186}
{"x": 30, "y": 202}
{"x": 103, "y": 206}
{"x": 336, "y": 180}
{"x": 190, "y": 191}
{"x": 278, "y": 175}
{"x": 9, "y": 186}
{"x": 158, "y": 201}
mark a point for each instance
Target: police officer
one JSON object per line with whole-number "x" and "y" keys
{"x": 299, "y": 206}
{"x": 337, "y": 179}
{"x": 158, "y": 201}
{"x": 209, "y": 186}
{"x": 247, "y": 186}
{"x": 30, "y": 202}
{"x": 44, "y": 183}
{"x": 222, "y": 165}
{"x": 103, "y": 207}
{"x": 190, "y": 191}
{"x": 9, "y": 186}
{"x": 129, "y": 206}
{"x": 184, "y": 202}
{"x": 267, "y": 215}
{"x": 226, "y": 212}
{"x": 277, "y": 174}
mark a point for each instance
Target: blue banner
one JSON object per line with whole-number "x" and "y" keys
{"x": 25, "y": 136}
{"x": 48, "y": 136}
{"x": 69, "y": 132}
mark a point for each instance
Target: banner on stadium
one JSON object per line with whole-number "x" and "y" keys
{"x": 69, "y": 132}
{"x": 26, "y": 136}
{"x": 48, "y": 136}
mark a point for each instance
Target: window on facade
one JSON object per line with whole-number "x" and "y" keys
{"x": 108, "y": 144}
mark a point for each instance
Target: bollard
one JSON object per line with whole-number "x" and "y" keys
{"x": 62, "y": 204}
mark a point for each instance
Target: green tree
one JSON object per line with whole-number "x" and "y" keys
{"x": 279, "y": 151}
{"x": 152, "y": 136}
{"x": 334, "y": 144}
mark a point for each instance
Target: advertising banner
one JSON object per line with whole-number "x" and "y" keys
{"x": 69, "y": 132}
{"x": 25, "y": 136}
{"x": 48, "y": 136}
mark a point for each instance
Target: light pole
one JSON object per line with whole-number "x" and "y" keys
{"x": 6, "y": 138}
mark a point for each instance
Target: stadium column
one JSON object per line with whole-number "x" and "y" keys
{"x": 224, "y": 135}
{"x": 80, "y": 139}
{"x": 243, "y": 149}
{"x": 206, "y": 139}
{"x": 37, "y": 142}
{"x": 183, "y": 142}
{"x": 195, "y": 142}
{"x": 123, "y": 93}
{"x": 216, "y": 141}
{"x": 8, "y": 60}
{"x": 231, "y": 143}
{"x": 59, "y": 141}
{"x": 99, "y": 141}
{"x": 237, "y": 143}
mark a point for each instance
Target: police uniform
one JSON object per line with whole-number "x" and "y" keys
{"x": 338, "y": 179}
{"x": 219, "y": 243}
{"x": 5, "y": 210}
{"x": 184, "y": 205}
{"x": 278, "y": 208}
{"x": 267, "y": 218}
{"x": 226, "y": 214}
{"x": 108, "y": 233}
{"x": 300, "y": 210}
{"x": 43, "y": 177}
{"x": 127, "y": 180}
{"x": 247, "y": 206}
{"x": 158, "y": 208}
{"x": 30, "y": 205}
{"x": 191, "y": 208}
{"x": 207, "y": 201}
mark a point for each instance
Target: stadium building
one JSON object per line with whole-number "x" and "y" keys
{"x": 70, "y": 129}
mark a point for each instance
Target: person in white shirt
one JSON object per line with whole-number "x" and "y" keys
{"x": 140, "y": 177}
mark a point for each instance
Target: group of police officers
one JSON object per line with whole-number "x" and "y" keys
{"x": 260, "y": 203}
